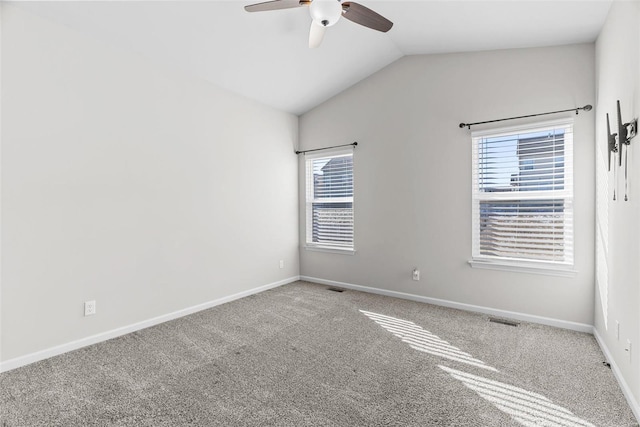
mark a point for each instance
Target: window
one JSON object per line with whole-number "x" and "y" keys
{"x": 523, "y": 197}
{"x": 330, "y": 200}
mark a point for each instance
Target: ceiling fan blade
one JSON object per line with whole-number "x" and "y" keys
{"x": 276, "y": 5}
{"x": 316, "y": 34}
{"x": 364, "y": 16}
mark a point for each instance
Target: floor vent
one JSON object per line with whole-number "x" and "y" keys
{"x": 503, "y": 321}
{"x": 335, "y": 290}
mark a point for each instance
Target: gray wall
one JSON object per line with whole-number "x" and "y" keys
{"x": 413, "y": 175}
{"x": 142, "y": 189}
{"x": 618, "y": 223}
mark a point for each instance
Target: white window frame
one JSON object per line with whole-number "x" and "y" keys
{"x": 478, "y": 260}
{"x": 309, "y": 196}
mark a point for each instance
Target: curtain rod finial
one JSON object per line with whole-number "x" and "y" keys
{"x": 462, "y": 125}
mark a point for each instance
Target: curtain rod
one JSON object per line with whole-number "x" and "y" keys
{"x": 326, "y": 148}
{"x": 585, "y": 108}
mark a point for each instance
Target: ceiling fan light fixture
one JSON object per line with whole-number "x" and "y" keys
{"x": 325, "y": 12}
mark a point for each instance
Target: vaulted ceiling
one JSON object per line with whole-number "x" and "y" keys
{"x": 265, "y": 55}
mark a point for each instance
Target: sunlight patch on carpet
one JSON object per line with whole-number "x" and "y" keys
{"x": 422, "y": 340}
{"x": 527, "y": 408}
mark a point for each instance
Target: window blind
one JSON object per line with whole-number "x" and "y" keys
{"x": 329, "y": 194}
{"x": 523, "y": 194}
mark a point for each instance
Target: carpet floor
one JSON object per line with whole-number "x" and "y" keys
{"x": 302, "y": 355}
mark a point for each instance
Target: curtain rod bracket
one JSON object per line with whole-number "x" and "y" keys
{"x": 577, "y": 110}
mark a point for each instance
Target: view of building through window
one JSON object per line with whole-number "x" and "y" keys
{"x": 523, "y": 195}
{"x": 330, "y": 201}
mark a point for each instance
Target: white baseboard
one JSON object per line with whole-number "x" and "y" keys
{"x": 626, "y": 390}
{"x": 564, "y": 324}
{"x": 103, "y": 336}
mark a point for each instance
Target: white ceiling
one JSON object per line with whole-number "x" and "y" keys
{"x": 264, "y": 55}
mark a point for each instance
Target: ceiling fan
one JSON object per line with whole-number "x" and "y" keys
{"x": 325, "y": 13}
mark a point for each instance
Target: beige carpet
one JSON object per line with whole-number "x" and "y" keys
{"x": 301, "y": 355}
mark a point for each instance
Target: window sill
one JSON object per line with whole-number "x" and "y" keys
{"x": 330, "y": 250}
{"x": 524, "y": 267}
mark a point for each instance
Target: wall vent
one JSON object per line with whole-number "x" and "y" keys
{"x": 335, "y": 290}
{"x": 503, "y": 321}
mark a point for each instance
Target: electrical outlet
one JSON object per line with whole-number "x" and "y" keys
{"x": 416, "y": 274}
{"x": 617, "y": 330}
{"x": 281, "y": 263}
{"x": 89, "y": 308}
